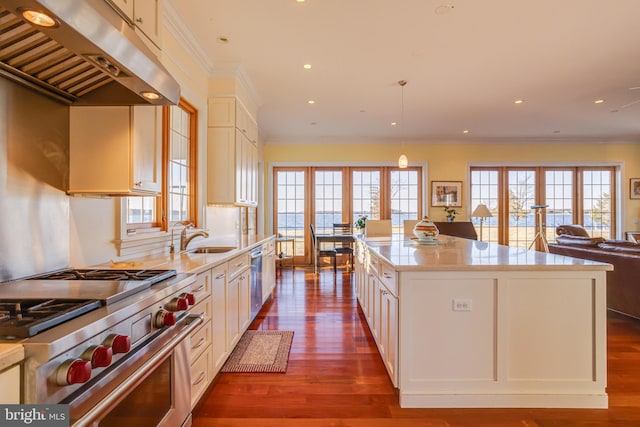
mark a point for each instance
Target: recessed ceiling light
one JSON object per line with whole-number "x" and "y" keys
{"x": 313, "y": 123}
{"x": 394, "y": 123}
{"x": 311, "y": 101}
{"x": 307, "y": 66}
{"x": 299, "y": 1}
{"x": 38, "y": 18}
{"x": 151, "y": 95}
{"x": 519, "y": 101}
{"x": 465, "y": 131}
{"x": 599, "y": 101}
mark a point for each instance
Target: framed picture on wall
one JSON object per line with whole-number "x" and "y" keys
{"x": 634, "y": 188}
{"x": 446, "y": 193}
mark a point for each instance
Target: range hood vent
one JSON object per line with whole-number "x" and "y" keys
{"x": 92, "y": 57}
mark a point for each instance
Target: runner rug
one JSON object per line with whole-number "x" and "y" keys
{"x": 260, "y": 351}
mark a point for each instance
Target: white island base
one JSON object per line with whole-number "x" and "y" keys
{"x": 478, "y": 326}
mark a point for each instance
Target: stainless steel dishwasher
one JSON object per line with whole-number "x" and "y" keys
{"x": 256, "y": 281}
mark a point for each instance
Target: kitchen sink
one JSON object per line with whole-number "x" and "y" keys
{"x": 212, "y": 249}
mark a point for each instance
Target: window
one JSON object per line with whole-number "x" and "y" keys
{"x": 180, "y": 176}
{"x": 582, "y": 195}
{"x": 289, "y": 204}
{"x": 178, "y": 198}
{"x": 326, "y": 195}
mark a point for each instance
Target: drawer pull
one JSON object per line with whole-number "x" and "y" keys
{"x": 221, "y": 276}
{"x": 240, "y": 264}
{"x": 201, "y": 378}
{"x": 201, "y": 288}
{"x": 199, "y": 344}
{"x": 387, "y": 276}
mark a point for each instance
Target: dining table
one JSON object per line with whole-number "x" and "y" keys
{"x": 330, "y": 238}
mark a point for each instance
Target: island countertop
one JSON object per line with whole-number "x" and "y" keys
{"x": 454, "y": 253}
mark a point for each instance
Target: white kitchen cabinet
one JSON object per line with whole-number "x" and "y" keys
{"x": 268, "y": 268}
{"x": 376, "y": 284}
{"x": 146, "y": 16}
{"x": 232, "y": 154}
{"x": 115, "y": 150}
{"x": 219, "y": 347}
{"x": 201, "y": 375}
{"x": 238, "y": 299}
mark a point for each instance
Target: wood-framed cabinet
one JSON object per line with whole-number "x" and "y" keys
{"x": 115, "y": 150}
{"x": 146, "y": 16}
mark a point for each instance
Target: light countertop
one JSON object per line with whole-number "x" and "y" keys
{"x": 453, "y": 253}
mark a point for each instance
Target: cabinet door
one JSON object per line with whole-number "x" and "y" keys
{"x": 233, "y": 325}
{"x": 388, "y": 342}
{"x": 268, "y": 274}
{"x": 222, "y": 112}
{"x": 240, "y": 171}
{"x": 148, "y": 18}
{"x": 219, "y": 316}
{"x": 125, "y": 6}
{"x": 221, "y": 165}
{"x": 147, "y": 148}
{"x": 244, "y": 301}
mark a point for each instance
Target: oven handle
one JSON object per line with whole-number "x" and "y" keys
{"x": 193, "y": 321}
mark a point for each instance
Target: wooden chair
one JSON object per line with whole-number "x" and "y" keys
{"x": 344, "y": 248}
{"x": 408, "y": 225}
{"x": 378, "y": 228}
{"x": 321, "y": 253}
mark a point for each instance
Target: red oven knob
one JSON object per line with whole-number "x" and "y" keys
{"x": 119, "y": 344}
{"x": 73, "y": 372}
{"x": 177, "y": 304}
{"x": 99, "y": 355}
{"x": 191, "y": 299}
{"x": 165, "y": 318}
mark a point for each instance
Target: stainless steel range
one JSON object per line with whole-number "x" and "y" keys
{"x": 103, "y": 341}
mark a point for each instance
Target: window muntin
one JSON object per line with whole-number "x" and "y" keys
{"x": 366, "y": 197}
{"x": 404, "y": 196}
{"x": 328, "y": 200}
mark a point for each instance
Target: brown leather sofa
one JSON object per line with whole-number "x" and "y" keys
{"x": 464, "y": 229}
{"x": 623, "y": 282}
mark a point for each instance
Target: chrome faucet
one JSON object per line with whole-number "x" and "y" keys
{"x": 184, "y": 240}
{"x": 186, "y": 224}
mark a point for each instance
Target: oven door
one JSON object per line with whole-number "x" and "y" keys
{"x": 151, "y": 387}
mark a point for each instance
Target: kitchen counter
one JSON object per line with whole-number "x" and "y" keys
{"x": 471, "y": 324}
{"x": 454, "y": 253}
{"x": 190, "y": 262}
{"x": 10, "y": 354}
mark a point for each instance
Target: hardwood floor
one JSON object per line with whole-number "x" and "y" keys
{"x": 335, "y": 376}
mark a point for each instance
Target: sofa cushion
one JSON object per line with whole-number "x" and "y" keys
{"x": 568, "y": 239}
{"x": 620, "y": 246}
{"x": 571, "y": 230}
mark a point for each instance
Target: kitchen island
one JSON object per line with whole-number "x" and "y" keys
{"x": 469, "y": 324}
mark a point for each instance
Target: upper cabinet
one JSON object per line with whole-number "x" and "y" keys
{"x": 232, "y": 154}
{"x": 146, "y": 16}
{"x": 115, "y": 151}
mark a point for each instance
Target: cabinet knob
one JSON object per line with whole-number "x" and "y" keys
{"x": 139, "y": 20}
{"x": 138, "y": 183}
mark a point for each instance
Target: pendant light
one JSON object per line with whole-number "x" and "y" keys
{"x": 403, "y": 162}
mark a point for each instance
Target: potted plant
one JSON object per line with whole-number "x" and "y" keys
{"x": 360, "y": 223}
{"x": 451, "y": 213}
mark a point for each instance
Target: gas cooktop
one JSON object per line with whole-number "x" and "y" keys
{"x": 25, "y": 318}
{"x": 152, "y": 276}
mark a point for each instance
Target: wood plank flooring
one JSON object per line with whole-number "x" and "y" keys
{"x": 335, "y": 376}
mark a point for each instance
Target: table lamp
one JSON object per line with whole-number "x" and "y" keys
{"x": 481, "y": 211}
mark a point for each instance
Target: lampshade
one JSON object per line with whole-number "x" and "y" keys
{"x": 403, "y": 162}
{"x": 481, "y": 211}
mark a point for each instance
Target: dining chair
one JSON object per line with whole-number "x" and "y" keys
{"x": 344, "y": 247}
{"x": 408, "y": 225}
{"x": 321, "y": 253}
{"x": 378, "y": 228}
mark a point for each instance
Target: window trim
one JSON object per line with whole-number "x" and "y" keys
{"x": 157, "y": 238}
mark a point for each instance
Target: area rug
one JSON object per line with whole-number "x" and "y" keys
{"x": 260, "y": 351}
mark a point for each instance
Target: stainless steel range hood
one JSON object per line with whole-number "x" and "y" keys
{"x": 92, "y": 56}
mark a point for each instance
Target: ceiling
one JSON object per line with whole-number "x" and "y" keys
{"x": 466, "y": 63}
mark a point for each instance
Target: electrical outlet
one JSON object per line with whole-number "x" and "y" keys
{"x": 460, "y": 304}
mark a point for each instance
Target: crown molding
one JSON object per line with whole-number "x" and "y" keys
{"x": 174, "y": 24}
